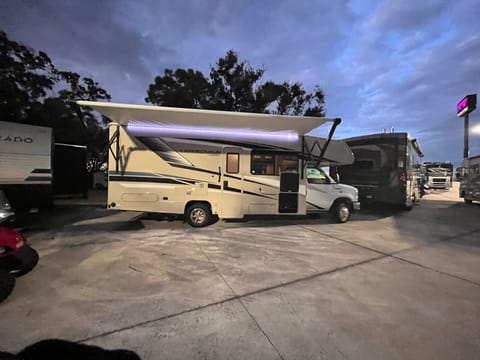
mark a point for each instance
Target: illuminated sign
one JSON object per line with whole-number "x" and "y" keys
{"x": 467, "y": 105}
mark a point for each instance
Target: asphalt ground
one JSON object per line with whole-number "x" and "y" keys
{"x": 388, "y": 284}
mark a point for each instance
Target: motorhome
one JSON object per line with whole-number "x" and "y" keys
{"x": 470, "y": 179}
{"x": 438, "y": 175}
{"x": 26, "y": 165}
{"x": 387, "y": 168}
{"x": 206, "y": 164}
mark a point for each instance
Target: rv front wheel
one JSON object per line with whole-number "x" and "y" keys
{"x": 198, "y": 215}
{"x": 341, "y": 212}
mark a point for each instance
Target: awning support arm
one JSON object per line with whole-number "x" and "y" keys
{"x": 115, "y": 139}
{"x": 307, "y": 152}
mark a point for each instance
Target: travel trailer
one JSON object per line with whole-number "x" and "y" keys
{"x": 387, "y": 168}
{"x": 438, "y": 175}
{"x": 25, "y": 164}
{"x": 206, "y": 164}
{"x": 470, "y": 179}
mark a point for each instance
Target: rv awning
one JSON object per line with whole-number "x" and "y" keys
{"x": 168, "y": 116}
{"x": 337, "y": 152}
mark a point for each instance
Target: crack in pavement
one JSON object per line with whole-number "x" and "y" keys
{"x": 236, "y": 297}
{"x": 394, "y": 254}
{"x": 233, "y": 298}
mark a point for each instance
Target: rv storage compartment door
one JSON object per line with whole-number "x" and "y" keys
{"x": 288, "y": 197}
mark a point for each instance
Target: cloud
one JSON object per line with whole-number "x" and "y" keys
{"x": 381, "y": 63}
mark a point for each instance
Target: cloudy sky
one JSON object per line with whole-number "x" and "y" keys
{"x": 382, "y": 63}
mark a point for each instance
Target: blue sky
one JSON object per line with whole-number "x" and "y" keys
{"x": 382, "y": 64}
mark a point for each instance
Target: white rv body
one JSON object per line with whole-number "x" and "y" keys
{"x": 236, "y": 164}
{"x": 470, "y": 179}
{"x": 439, "y": 175}
{"x": 25, "y": 163}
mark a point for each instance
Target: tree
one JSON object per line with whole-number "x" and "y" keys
{"x": 33, "y": 91}
{"x": 233, "y": 85}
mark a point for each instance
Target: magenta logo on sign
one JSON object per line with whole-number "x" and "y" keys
{"x": 462, "y": 104}
{"x": 467, "y": 105}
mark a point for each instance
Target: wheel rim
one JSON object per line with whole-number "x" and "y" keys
{"x": 198, "y": 215}
{"x": 343, "y": 213}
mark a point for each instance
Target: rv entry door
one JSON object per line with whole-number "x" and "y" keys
{"x": 232, "y": 183}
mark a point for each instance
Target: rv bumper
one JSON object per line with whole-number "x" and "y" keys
{"x": 356, "y": 205}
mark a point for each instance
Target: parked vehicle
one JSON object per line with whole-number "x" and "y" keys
{"x": 387, "y": 168}
{"x": 16, "y": 256}
{"x": 206, "y": 164}
{"x": 438, "y": 175}
{"x": 70, "y": 170}
{"x": 470, "y": 179}
{"x": 25, "y": 169}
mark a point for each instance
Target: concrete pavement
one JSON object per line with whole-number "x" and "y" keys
{"x": 401, "y": 285}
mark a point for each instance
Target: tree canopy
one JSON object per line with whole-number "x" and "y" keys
{"x": 33, "y": 91}
{"x": 233, "y": 85}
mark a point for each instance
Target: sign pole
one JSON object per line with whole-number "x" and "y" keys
{"x": 465, "y": 136}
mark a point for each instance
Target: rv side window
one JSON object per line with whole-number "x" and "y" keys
{"x": 263, "y": 164}
{"x": 233, "y": 162}
{"x": 286, "y": 163}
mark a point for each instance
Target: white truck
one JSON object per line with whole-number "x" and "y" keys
{"x": 206, "y": 164}
{"x": 470, "y": 179}
{"x": 26, "y": 165}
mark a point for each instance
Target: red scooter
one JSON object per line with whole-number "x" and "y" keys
{"x": 16, "y": 256}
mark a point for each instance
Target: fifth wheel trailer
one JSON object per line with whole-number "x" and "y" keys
{"x": 204, "y": 163}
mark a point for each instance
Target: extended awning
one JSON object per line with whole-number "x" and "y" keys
{"x": 124, "y": 114}
{"x": 281, "y": 131}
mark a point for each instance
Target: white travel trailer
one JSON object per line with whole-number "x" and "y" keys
{"x": 204, "y": 163}
{"x": 26, "y": 164}
{"x": 470, "y": 179}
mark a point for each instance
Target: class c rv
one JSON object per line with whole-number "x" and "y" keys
{"x": 206, "y": 164}
{"x": 387, "y": 168}
{"x": 470, "y": 179}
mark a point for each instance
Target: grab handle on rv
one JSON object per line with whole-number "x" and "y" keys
{"x": 219, "y": 173}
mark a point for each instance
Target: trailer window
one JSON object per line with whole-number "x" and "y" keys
{"x": 233, "y": 163}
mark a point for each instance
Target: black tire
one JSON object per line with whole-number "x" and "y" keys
{"x": 341, "y": 212}
{"x": 198, "y": 215}
{"x": 28, "y": 261}
{"x": 467, "y": 201}
{"x": 7, "y": 283}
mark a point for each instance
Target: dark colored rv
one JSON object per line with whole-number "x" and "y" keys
{"x": 387, "y": 169}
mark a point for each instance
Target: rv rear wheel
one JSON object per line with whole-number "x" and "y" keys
{"x": 467, "y": 201}
{"x": 340, "y": 212}
{"x": 198, "y": 215}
